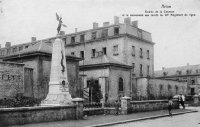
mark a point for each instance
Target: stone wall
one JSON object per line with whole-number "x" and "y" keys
{"x": 163, "y": 88}
{"x": 25, "y": 115}
{"x": 41, "y": 65}
{"x": 150, "y": 105}
{"x": 73, "y": 76}
{"x": 11, "y": 79}
{"x": 150, "y": 88}
{"x": 115, "y": 74}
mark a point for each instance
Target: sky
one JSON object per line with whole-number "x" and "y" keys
{"x": 177, "y": 39}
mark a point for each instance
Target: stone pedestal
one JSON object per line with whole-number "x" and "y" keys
{"x": 125, "y": 104}
{"x": 58, "y": 85}
{"x": 79, "y": 107}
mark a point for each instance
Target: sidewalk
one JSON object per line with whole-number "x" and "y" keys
{"x": 102, "y": 120}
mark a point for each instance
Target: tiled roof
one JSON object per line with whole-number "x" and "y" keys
{"x": 40, "y": 47}
{"x": 182, "y": 70}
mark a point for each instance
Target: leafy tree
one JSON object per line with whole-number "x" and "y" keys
{"x": 95, "y": 90}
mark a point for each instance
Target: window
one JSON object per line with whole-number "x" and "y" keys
{"x": 161, "y": 89}
{"x": 8, "y": 51}
{"x": 105, "y": 33}
{"x": 148, "y": 54}
{"x": 141, "y": 70}
{"x": 192, "y": 81}
{"x": 176, "y": 88}
{"x": 115, "y": 50}
{"x": 116, "y": 30}
{"x": 104, "y": 50}
{"x": 14, "y": 49}
{"x": 141, "y": 56}
{"x": 72, "y": 39}
{"x": 148, "y": 70}
{"x": 192, "y": 91}
{"x": 169, "y": 87}
{"x": 133, "y": 50}
{"x": 93, "y": 52}
{"x": 65, "y": 40}
{"x": 121, "y": 85}
{"x": 26, "y": 46}
{"x": 133, "y": 67}
{"x": 82, "y": 38}
{"x": 94, "y": 35}
{"x": 20, "y": 48}
{"x": 82, "y": 54}
{"x": 73, "y": 53}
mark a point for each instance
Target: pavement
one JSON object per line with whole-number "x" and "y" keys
{"x": 107, "y": 120}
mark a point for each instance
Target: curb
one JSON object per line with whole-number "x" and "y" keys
{"x": 139, "y": 119}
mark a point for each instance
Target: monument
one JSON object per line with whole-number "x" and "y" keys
{"x": 58, "y": 85}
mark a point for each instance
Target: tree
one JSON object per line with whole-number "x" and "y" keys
{"x": 95, "y": 88}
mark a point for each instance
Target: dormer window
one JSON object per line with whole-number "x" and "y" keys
{"x": 105, "y": 33}
{"x": 164, "y": 73}
{"x": 188, "y": 72}
{"x": 94, "y": 35}
{"x": 178, "y": 72}
{"x": 116, "y": 30}
{"x": 82, "y": 38}
{"x": 72, "y": 39}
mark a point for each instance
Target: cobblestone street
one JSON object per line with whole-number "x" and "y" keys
{"x": 185, "y": 120}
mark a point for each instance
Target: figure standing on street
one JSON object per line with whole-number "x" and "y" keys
{"x": 182, "y": 101}
{"x": 170, "y": 103}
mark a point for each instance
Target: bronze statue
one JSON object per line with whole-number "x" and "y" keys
{"x": 59, "y": 19}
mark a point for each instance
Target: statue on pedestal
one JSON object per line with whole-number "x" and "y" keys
{"x": 58, "y": 86}
{"x": 60, "y": 24}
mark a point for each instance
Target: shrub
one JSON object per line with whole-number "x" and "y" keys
{"x": 19, "y": 101}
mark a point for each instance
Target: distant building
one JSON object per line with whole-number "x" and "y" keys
{"x": 188, "y": 73}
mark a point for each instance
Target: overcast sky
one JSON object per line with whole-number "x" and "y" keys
{"x": 177, "y": 39}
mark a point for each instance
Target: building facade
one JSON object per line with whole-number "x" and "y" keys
{"x": 120, "y": 43}
{"x": 36, "y": 58}
{"x": 188, "y": 73}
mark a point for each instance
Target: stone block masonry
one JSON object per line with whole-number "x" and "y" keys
{"x": 11, "y": 79}
{"x": 150, "y": 105}
{"x": 25, "y": 115}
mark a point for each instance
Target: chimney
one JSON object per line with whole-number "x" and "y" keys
{"x": 116, "y": 20}
{"x": 62, "y": 32}
{"x": 0, "y": 45}
{"x": 127, "y": 20}
{"x": 163, "y": 68}
{"x": 188, "y": 64}
{"x": 8, "y": 44}
{"x": 135, "y": 23}
{"x": 106, "y": 24}
{"x": 95, "y": 25}
{"x": 76, "y": 29}
{"x": 33, "y": 39}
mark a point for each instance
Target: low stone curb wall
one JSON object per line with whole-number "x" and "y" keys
{"x": 25, "y": 115}
{"x": 150, "y": 105}
{"x": 99, "y": 111}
